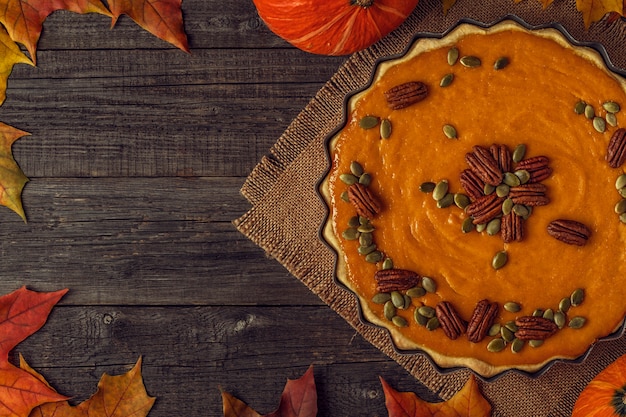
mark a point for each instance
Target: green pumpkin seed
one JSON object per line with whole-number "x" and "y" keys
{"x": 548, "y": 314}
{"x": 521, "y": 210}
{"x": 590, "y": 113}
{"x": 501, "y": 63}
{"x": 348, "y": 179}
{"x": 365, "y": 179}
{"x": 467, "y": 225}
{"x": 419, "y": 319}
{"x": 577, "y": 297}
{"x": 496, "y": 345}
{"x": 523, "y": 175}
{"x": 399, "y": 321}
{"x": 374, "y": 257}
{"x": 488, "y": 189}
{"x": 511, "y": 179}
{"x": 620, "y": 182}
{"x": 427, "y": 187}
{"x": 535, "y": 343}
{"x": 493, "y": 227}
{"x": 366, "y": 228}
{"x": 366, "y": 250}
{"x": 345, "y": 196}
{"x": 366, "y": 239}
{"x": 538, "y": 313}
{"x": 429, "y": 284}
{"x": 449, "y": 131}
{"x": 507, "y": 334}
{"x": 440, "y": 190}
{"x": 611, "y": 119}
{"x": 517, "y": 345}
{"x": 350, "y": 233}
{"x": 507, "y": 206}
{"x": 446, "y": 80}
{"x": 432, "y": 323}
{"x": 622, "y": 192}
{"x": 368, "y": 122}
{"x": 499, "y": 260}
{"x": 363, "y": 220}
{"x": 385, "y": 129}
{"x": 494, "y": 330}
{"x": 579, "y": 107}
{"x": 511, "y": 326}
{"x": 502, "y": 190}
{"x": 599, "y": 124}
{"x": 481, "y": 227}
{"x": 565, "y": 304}
{"x": 356, "y": 168}
{"x": 577, "y": 322}
{"x": 470, "y": 61}
{"x": 416, "y": 292}
{"x": 518, "y": 153}
{"x": 559, "y": 319}
{"x": 446, "y": 201}
{"x": 387, "y": 263}
{"x": 389, "y": 310}
{"x": 512, "y": 307}
{"x": 461, "y": 200}
{"x": 453, "y": 56}
{"x": 622, "y": 217}
{"x": 611, "y": 106}
{"x": 397, "y": 299}
{"x": 427, "y": 311}
{"x": 620, "y": 207}
{"x": 354, "y": 221}
{"x": 407, "y": 302}
{"x": 381, "y": 298}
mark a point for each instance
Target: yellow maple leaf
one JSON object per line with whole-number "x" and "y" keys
{"x": 11, "y": 55}
{"x": 594, "y": 10}
{"x": 12, "y": 179}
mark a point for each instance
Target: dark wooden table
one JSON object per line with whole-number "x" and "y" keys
{"x": 136, "y": 157}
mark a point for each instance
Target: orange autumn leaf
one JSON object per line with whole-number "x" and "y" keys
{"x": 24, "y": 19}
{"x": 299, "y": 399}
{"x": 12, "y": 179}
{"x": 594, "y": 10}
{"x": 22, "y": 313}
{"x": 162, "y": 18}
{"x": 117, "y": 396}
{"x": 467, "y": 402}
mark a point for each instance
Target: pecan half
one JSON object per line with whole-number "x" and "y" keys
{"x": 451, "y": 323}
{"x": 484, "y": 165}
{"x": 404, "y": 95}
{"x": 396, "y": 279}
{"x": 363, "y": 200}
{"x": 537, "y": 167}
{"x": 472, "y": 185}
{"x": 569, "y": 231}
{"x": 512, "y": 228}
{"x": 530, "y": 194}
{"x": 502, "y": 155}
{"x": 616, "y": 151}
{"x": 534, "y": 328}
{"x": 482, "y": 318}
{"x": 485, "y": 208}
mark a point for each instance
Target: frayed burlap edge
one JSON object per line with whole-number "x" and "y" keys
{"x": 288, "y": 230}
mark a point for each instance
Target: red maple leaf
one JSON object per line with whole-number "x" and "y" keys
{"x": 22, "y": 313}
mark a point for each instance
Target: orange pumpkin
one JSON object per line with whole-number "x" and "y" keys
{"x": 333, "y": 27}
{"x": 605, "y": 395}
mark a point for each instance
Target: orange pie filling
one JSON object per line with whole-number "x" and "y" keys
{"x": 516, "y": 257}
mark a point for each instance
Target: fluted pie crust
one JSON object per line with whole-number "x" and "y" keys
{"x": 530, "y": 101}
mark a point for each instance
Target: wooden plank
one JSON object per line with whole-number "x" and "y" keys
{"x": 188, "y": 353}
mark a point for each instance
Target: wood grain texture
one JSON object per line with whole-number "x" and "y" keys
{"x": 136, "y": 157}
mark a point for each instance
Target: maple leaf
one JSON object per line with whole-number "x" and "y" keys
{"x": 12, "y": 179}
{"x": 162, "y": 18}
{"x": 117, "y": 396}
{"x": 11, "y": 55}
{"x": 22, "y": 313}
{"x": 299, "y": 399}
{"x": 594, "y": 10}
{"x": 24, "y": 19}
{"x": 467, "y": 402}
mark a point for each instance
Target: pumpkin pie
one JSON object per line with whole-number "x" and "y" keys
{"x": 476, "y": 198}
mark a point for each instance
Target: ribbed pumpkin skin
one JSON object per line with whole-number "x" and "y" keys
{"x": 333, "y": 27}
{"x": 596, "y": 399}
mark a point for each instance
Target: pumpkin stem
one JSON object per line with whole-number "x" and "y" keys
{"x": 363, "y": 3}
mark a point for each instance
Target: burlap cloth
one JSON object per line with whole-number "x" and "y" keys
{"x": 286, "y": 212}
